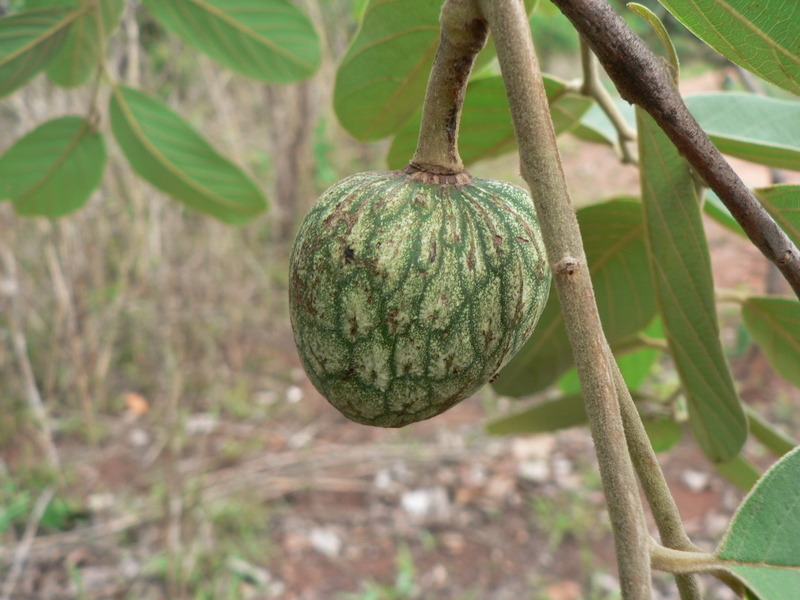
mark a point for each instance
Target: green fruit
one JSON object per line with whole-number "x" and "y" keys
{"x": 409, "y": 291}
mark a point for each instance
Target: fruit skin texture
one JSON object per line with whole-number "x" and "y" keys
{"x": 406, "y": 297}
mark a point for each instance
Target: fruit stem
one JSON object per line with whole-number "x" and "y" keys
{"x": 464, "y": 34}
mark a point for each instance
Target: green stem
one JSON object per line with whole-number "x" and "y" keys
{"x": 682, "y": 561}
{"x": 464, "y": 34}
{"x": 765, "y": 432}
{"x": 541, "y": 168}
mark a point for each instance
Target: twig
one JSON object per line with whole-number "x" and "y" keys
{"x": 24, "y": 547}
{"x": 21, "y": 351}
{"x": 643, "y": 78}
{"x": 592, "y": 86}
{"x": 541, "y": 168}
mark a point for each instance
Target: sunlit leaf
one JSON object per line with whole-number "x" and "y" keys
{"x": 269, "y": 40}
{"x": 28, "y": 41}
{"x": 486, "y": 130}
{"x": 681, "y": 266}
{"x": 83, "y": 48}
{"x": 613, "y": 235}
{"x": 53, "y": 169}
{"x": 763, "y": 535}
{"x": 774, "y": 324}
{"x": 756, "y": 128}
{"x": 166, "y": 151}
{"x": 783, "y": 203}
{"x": 759, "y": 36}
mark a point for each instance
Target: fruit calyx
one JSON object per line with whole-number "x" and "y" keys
{"x": 436, "y": 174}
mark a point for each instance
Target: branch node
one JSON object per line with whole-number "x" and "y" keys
{"x": 567, "y": 266}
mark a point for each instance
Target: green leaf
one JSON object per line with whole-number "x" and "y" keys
{"x": 549, "y": 415}
{"x": 588, "y": 133}
{"x": 85, "y": 44}
{"x": 740, "y": 472}
{"x": 756, "y": 128}
{"x": 53, "y": 169}
{"x": 269, "y": 40}
{"x": 783, "y": 203}
{"x": 768, "y": 434}
{"x": 486, "y": 129}
{"x": 166, "y": 151}
{"x": 569, "y": 411}
{"x": 40, "y": 4}
{"x": 28, "y": 41}
{"x": 774, "y": 324}
{"x": 715, "y": 209}
{"x": 596, "y": 127}
{"x": 663, "y": 432}
{"x": 766, "y": 583}
{"x": 759, "y": 36}
{"x": 763, "y": 535}
{"x": 635, "y": 366}
{"x": 613, "y": 235}
{"x": 381, "y": 80}
{"x": 681, "y": 266}
{"x": 661, "y": 31}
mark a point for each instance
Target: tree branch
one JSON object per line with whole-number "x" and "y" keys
{"x": 541, "y": 168}
{"x": 643, "y": 78}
